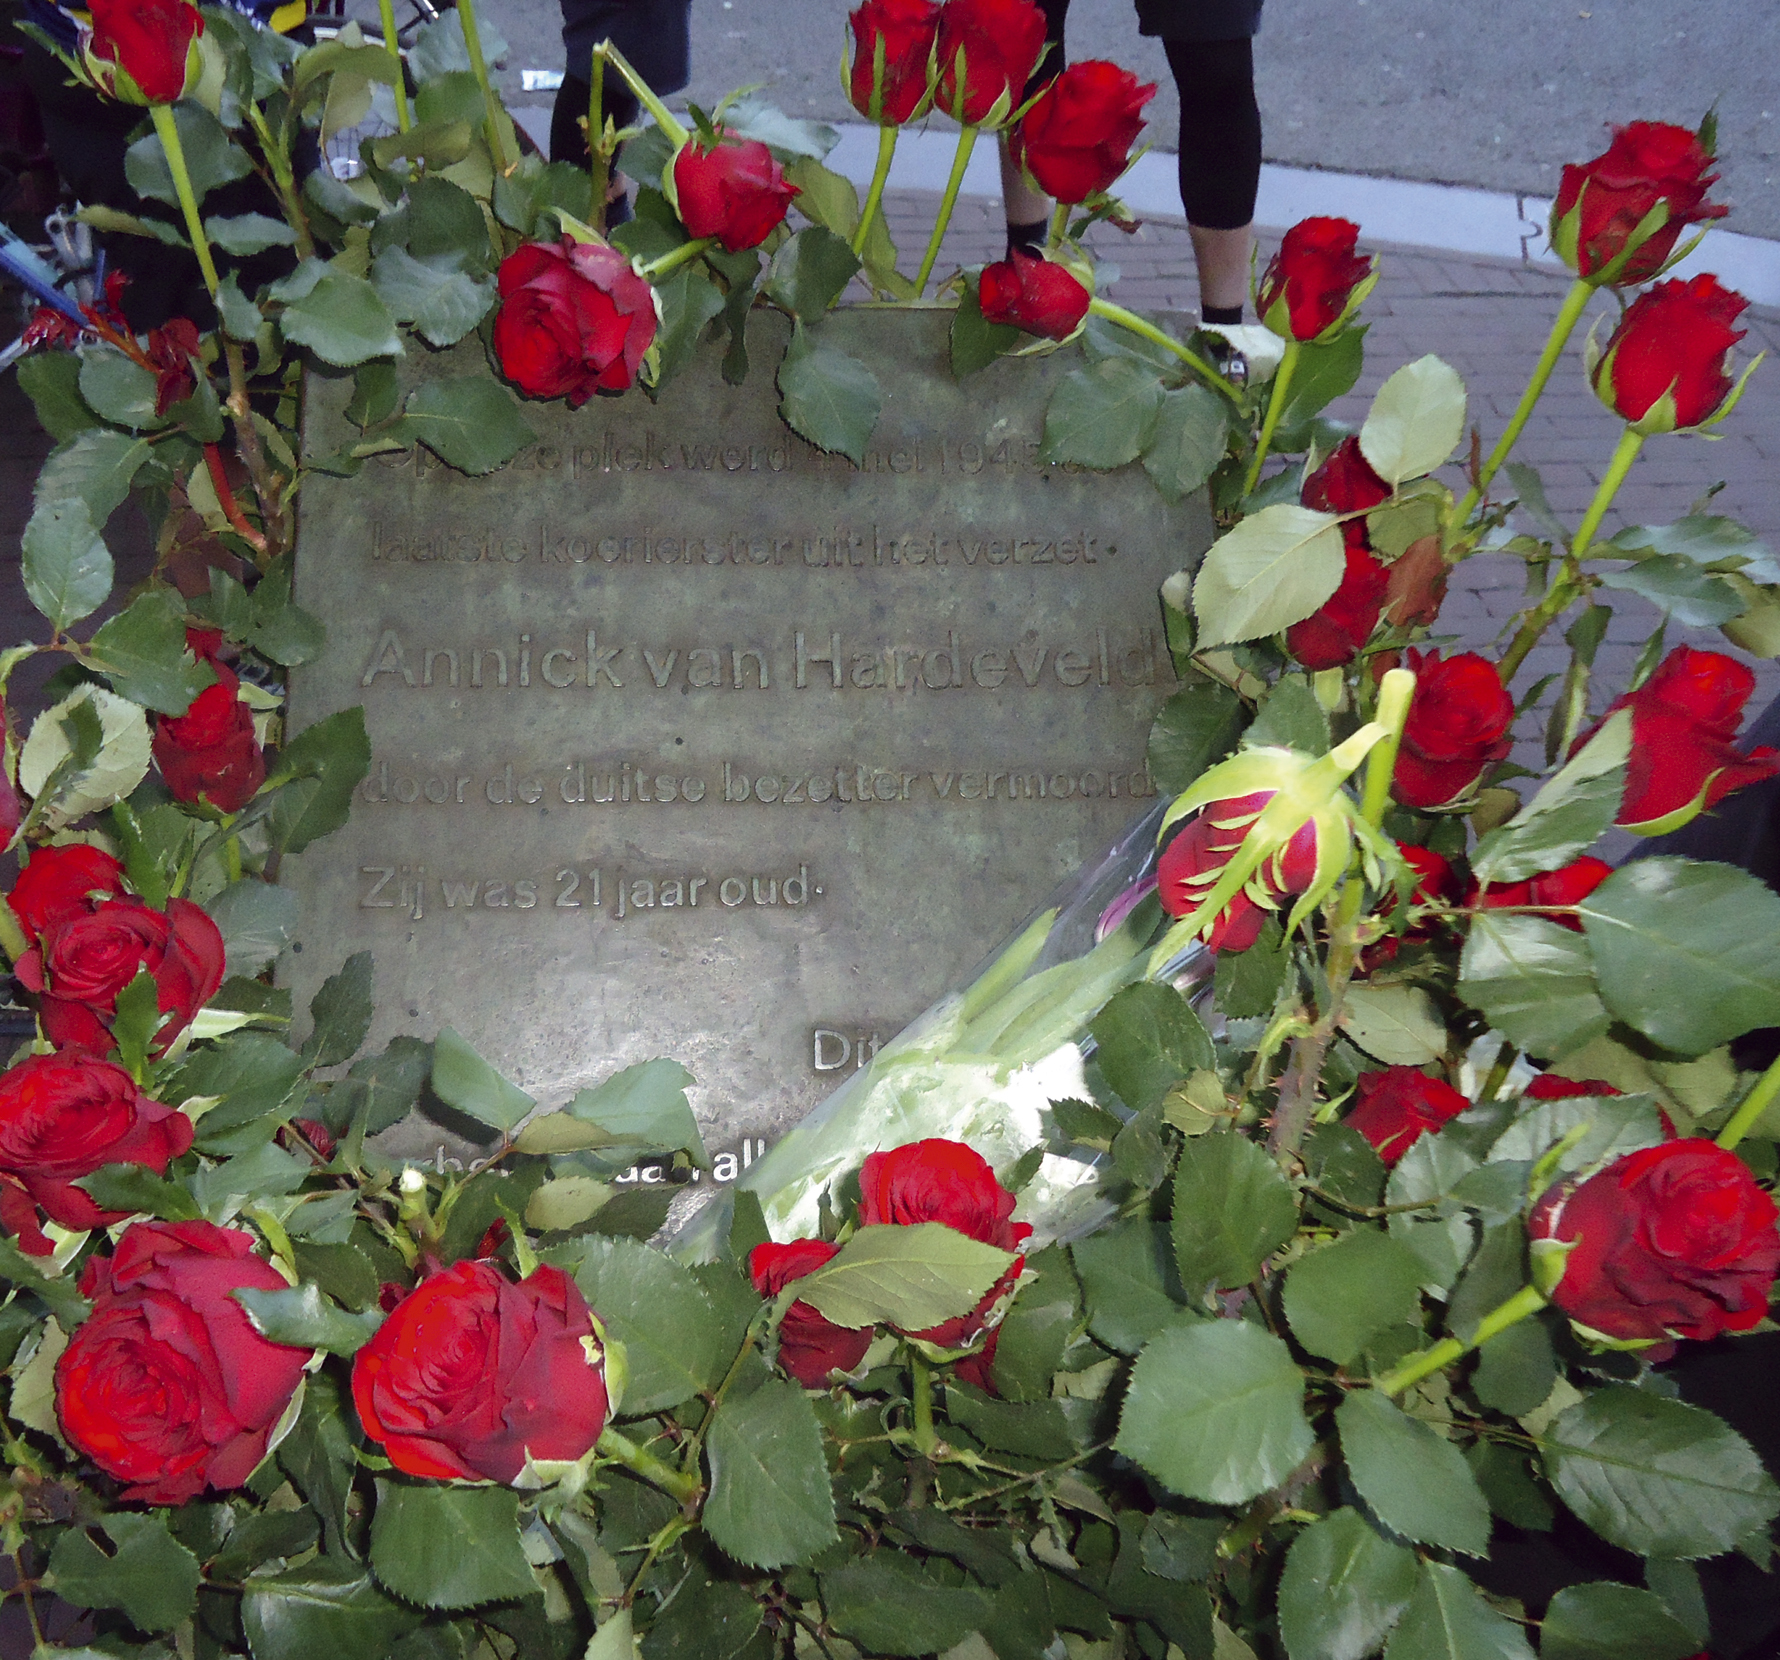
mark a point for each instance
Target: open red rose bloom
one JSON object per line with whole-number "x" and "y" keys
{"x": 1033, "y": 294}
{"x": 575, "y": 319}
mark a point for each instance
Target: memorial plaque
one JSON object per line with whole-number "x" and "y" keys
{"x": 690, "y": 739}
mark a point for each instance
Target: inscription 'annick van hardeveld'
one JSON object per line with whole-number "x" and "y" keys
{"x": 689, "y": 739}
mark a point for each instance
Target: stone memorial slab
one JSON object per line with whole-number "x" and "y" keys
{"x": 690, "y": 739}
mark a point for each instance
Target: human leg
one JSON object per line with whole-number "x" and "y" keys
{"x": 1028, "y": 210}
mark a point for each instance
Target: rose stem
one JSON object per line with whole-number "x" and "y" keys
{"x": 1276, "y": 407}
{"x": 1137, "y": 325}
{"x": 967, "y": 137}
{"x": 645, "y": 93}
{"x": 387, "y": 12}
{"x": 621, "y": 1450}
{"x": 1528, "y": 1300}
{"x": 686, "y": 252}
{"x": 599, "y": 165}
{"x": 168, "y": 132}
{"x": 497, "y": 143}
{"x": 1059, "y": 224}
{"x": 1754, "y": 1105}
{"x": 922, "y": 1393}
{"x": 1564, "y": 590}
{"x": 1568, "y": 315}
{"x": 226, "y": 498}
{"x": 277, "y": 151}
{"x": 880, "y": 176}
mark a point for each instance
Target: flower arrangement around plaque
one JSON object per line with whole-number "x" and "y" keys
{"x": 1304, "y": 1205}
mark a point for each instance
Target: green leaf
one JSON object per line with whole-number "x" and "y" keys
{"x": 302, "y": 1318}
{"x": 1447, "y": 1620}
{"x": 1569, "y": 814}
{"x": 809, "y": 272}
{"x": 243, "y": 234}
{"x": 211, "y": 158}
{"x": 1516, "y": 1368}
{"x": 241, "y": 318}
{"x": 1507, "y": 1481}
{"x": 315, "y": 774}
{"x": 829, "y": 398}
{"x": 276, "y": 628}
{"x": 770, "y": 1504}
{"x": 1688, "y": 954}
{"x": 1290, "y": 718}
{"x": 1215, "y": 1411}
{"x": 887, "y": 1605}
{"x": 1397, "y": 1024}
{"x": 320, "y": 1457}
{"x": 1232, "y": 1210}
{"x": 257, "y": 920}
{"x": 1412, "y": 1478}
{"x": 121, "y": 390}
{"x": 1343, "y": 1589}
{"x": 135, "y": 1189}
{"x": 642, "y": 1109}
{"x": 1274, "y": 569}
{"x": 343, "y": 320}
{"x": 689, "y": 302}
{"x": 1656, "y": 1476}
{"x": 1197, "y": 726}
{"x": 1191, "y": 434}
{"x": 1104, "y": 415}
{"x": 1604, "y": 1621}
{"x": 1149, "y": 1040}
{"x": 977, "y": 343}
{"x": 382, "y": 1089}
{"x": 1534, "y": 981}
{"x": 1034, "y": 1429}
{"x": 342, "y": 1011}
{"x": 60, "y": 1296}
{"x": 325, "y": 1607}
{"x": 67, "y": 566}
{"x": 1339, "y": 1298}
{"x": 1415, "y": 422}
{"x": 470, "y": 422}
{"x": 94, "y": 466}
{"x": 258, "y": 1538}
{"x": 1678, "y": 588}
{"x": 442, "y": 301}
{"x": 142, "y": 652}
{"x": 659, "y": 1312}
{"x": 908, "y": 1277}
{"x": 1326, "y": 370}
{"x": 52, "y": 382}
{"x": 710, "y": 1617}
{"x": 449, "y": 1547}
{"x": 753, "y": 116}
{"x": 151, "y": 1577}
{"x": 1128, "y": 1282}
{"x": 251, "y": 1072}
{"x": 90, "y": 750}
{"x": 463, "y": 1079}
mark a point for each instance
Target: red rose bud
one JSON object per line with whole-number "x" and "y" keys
{"x": 1665, "y": 366}
{"x": 1434, "y": 881}
{"x": 1395, "y": 1108}
{"x": 906, "y": 31}
{"x": 1684, "y": 758}
{"x": 1601, "y": 203}
{"x": 1673, "y": 1241}
{"x": 1458, "y": 728}
{"x": 1033, "y": 294}
{"x": 154, "y": 43}
{"x": 1334, "y": 634}
{"x": 81, "y": 963}
{"x": 63, "y": 882}
{"x": 1548, "y": 1086}
{"x": 1001, "y": 41}
{"x": 471, "y": 1375}
{"x": 734, "y": 191}
{"x": 61, "y": 1117}
{"x": 205, "y": 644}
{"x": 167, "y": 1386}
{"x": 1315, "y": 280}
{"x": 210, "y": 752}
{"x": 170, "y": 352}
{"x": 810, "y": 1346}
{"x": 1346, "y": 483}
{"x": 575, "y": 319}
{"x": 1076, "y": 139}
{"x": 1193, "y": 862}
{"x": 1553, "y": 888}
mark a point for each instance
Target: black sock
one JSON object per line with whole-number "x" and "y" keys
{"x": 1028, "y": 238}
{"x": 1226, "y": 316}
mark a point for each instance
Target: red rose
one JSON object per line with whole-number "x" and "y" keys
{"x": 1433, "y": 874}
{"x": 1602, "y": 202}
{"x": 60, "y": 882}
{"x": 1076, "y": 139}
{"x": 1566, "y": 887}
{"x": 1434, "y": 880}
{"x": 1346, "y": 483}
{"x": 82, "y": 963}
{"x": 1192, "y": 863}
{"x": 1684, "y": 757}
{"x": 575, "y": 319}
{"x": 945, "y": 1181}
{"x": 1001, "y": 41}
{"x": 1334, "y": 634}
{"x": 170, "y": 352}
{"x": 810, "y": 1347}
{"x": 1458, "y": 728}
{"x": 1395, "y": 1108}
{"x": 210, "y": 752}
{"x": 734, "y": 191}
{"x": 61, "y": 1117}
{"x": 472, "y": 1374}
{"x": 1311, "y": 280}
{"x": 166, "y": 1385}
{"x": 907, "y": 30}
{"x": 1672, "y": 341}
{"x": 1032, "y": 294}
{"x": 1548, "y": 1086}
{"x": 151, "y": 41}
{"x": 1673, "y": 1241}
